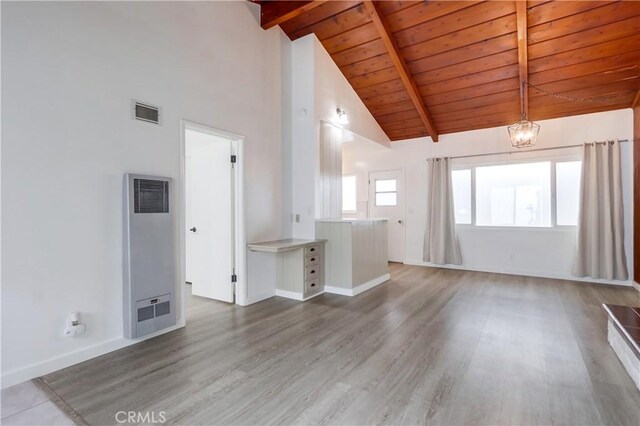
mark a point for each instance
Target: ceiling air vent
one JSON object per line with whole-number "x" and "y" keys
{"x": 146, "y": 112}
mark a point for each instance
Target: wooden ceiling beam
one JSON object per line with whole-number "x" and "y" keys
{"x": 274, "y": 13}
{"x": 636, "y": 100}
{"x": 400, "y": 64}
{"x": 523, "y": 67}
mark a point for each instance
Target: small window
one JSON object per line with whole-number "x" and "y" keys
{"x": 461, "y": 182}
{"x": 386, "y": 192}
{"x": 568, "y": 192}
{"x": 349, "y": 194}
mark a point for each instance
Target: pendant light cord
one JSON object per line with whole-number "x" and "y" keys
{"x": 576, "y": 99}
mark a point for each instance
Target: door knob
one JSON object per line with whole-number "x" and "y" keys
{"x": 193, "y": 229}
{"x": 400, "y": 222}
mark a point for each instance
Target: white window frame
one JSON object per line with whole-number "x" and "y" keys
{"x": 376, "y": 192}
{"x": 355, "y": 176}
{"x": 508, "y": 161}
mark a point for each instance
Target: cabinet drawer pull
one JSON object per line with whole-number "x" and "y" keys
{"x": 312, "y": 249}
{"x": 313, "y": 271}
{"x": 313, "y": 259}
{"x": 313, "y": 284}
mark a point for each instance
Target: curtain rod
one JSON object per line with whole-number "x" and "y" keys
{"x": 529, "y": 150}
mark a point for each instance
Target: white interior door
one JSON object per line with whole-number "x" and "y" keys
{"x": 386, "y": 199}
{"x": 209, "y": 215}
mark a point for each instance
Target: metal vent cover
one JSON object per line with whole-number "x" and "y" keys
{"x": 146, "y": 112}
{"x": 150, "y": 196}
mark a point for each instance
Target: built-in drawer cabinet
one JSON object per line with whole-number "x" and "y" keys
{"x": 312, "y": 260}
{"x": 312, "y": 272}
{"x": 311, "y": 250}
{"x": 313, "y": 286}
{"x": 299, "y": 272}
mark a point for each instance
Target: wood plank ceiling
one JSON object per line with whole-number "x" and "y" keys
{"x": 462, "y": 58}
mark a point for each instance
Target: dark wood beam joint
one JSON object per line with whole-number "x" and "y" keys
{"x": 274, "y": 13}
{"x": 401, "y": 66}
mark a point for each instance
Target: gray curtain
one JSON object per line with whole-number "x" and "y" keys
{"x": 600, "y": 249}
{"x": 440, "y": 239}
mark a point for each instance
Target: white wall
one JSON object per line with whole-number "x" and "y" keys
{"x": 69, "y": 72}
{"x": 318, "y": 89}
{"x": 304, "y": 150}
{"x": 539, "y": 252}
{"x": 329, "y": 194}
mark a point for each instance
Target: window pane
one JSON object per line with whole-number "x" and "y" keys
{"x": 348, "y": 193}
{"x": 568, "y": 192}
{"x": 461, "y": 182}
{"x": 514, "y": 195}
{"x": 386, "y": 199}
{"x": 385, "y": 185}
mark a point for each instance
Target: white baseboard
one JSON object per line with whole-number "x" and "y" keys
{"x": 290, "y": 295}
{"x": 338, "y": 290}
{"x": 359, "y": 289}
{"x": 636, "y": 285}
{"x": 255, "y": 298}
{"x": 29, "y": 372}
{"x": 371, "y": 284}
{"x": 525, "y": 273}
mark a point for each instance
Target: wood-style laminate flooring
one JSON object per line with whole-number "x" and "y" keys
{"x": 431, "y": 346}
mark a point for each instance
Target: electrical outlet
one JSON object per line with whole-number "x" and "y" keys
{"x": 75, "y": 330}
{"x": 512, "y": 257}
{"x": 297, "y": 218}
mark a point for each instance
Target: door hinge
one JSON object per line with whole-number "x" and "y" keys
{"x": 233, "y": 159}
{"x": 234, "y": 278}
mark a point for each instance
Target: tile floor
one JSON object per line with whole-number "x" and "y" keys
{"x": 27, "y": 404}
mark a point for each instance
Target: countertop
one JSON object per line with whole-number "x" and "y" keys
{"x": 282, "y": 245}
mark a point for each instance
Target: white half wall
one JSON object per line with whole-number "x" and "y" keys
{"x": 69, "y": 72}
{"x": 533, "y": 252}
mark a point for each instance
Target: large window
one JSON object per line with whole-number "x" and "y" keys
{"x": 349, "y": 197}
{"x": 534, "y": 194}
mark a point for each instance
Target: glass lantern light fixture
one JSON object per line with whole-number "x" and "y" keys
{"x": 524, "y": 133}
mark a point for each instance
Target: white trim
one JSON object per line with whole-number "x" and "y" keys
{"x": 50, "y": 365}
{"x": 371, "y": 284}
{"x": 290, "y": 295}
{"x": 359, "y": 289}
{"x": 338, "y": 290}
{"x": 312, "y": 296}
{"x": 251, "y": 299}
{"x": 519, "y": 272}
{"x": 239, "y": 220}
{"x": 295, "y": 295}
{"x": 636, "y": 285}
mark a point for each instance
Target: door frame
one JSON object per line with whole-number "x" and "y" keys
{"x": 240, "y": 240}
{"x": 404, "y": 212}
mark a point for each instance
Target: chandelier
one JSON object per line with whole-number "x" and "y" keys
{"x": 524, "y": 133}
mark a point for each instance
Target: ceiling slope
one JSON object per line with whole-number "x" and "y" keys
{"x": 428, "y": 68}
